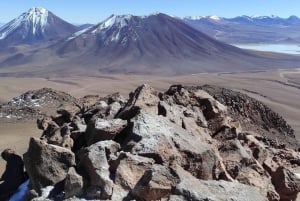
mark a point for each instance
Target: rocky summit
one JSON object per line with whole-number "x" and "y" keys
{"x": 188, "y": 143}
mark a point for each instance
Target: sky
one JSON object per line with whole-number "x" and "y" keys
{"x": 94, "y": 11}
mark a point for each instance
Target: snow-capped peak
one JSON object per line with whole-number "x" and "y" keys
{"x": 210, "y": 17}
{"x": 214, "y": 17}
{"x": 37, "y": 16}
{"x": 34, "y": 19}
{"x": 115, "y": 20}
{"x": 193, "y": 17}
{"x": 264, "y": 17}
{"x": 37, "y": 11}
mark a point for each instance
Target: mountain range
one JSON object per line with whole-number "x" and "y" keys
{"x": 247, "y": 29}
{"x": 124, "y": 44}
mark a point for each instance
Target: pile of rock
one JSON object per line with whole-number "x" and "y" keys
{"x": 179, "y": 145}
{"x": 37, "y": 103}
{"x": 253, "y": 114}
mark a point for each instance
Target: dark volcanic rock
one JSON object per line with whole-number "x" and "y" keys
{"x": 286, "y": 183}
{"x": 46, "y": 164}
{"x": 190, "y": 188}
{"x": 73, "y": 184}
{"x": 175, "y": 145}
{"x": 101, "y": 129}
{"x": 165, "y": 142}
{"x": 94, "y": 160}
{"x": 250, "y": 109}
{"x": 156, "y": 183}
{"x": 143, "y": 98}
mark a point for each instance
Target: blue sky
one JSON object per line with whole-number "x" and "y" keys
{"x": 94, "y": 11}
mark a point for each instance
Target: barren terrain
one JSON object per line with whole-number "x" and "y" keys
{"x": 280, "y": 90}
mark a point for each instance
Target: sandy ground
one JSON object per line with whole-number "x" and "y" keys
{"x": 280, "y": 90}
{"x": 16, "y": 136}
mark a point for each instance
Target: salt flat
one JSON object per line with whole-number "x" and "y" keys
{"x": 279, "y": 48}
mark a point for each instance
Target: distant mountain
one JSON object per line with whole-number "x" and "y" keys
{"x": 84, "y": 26}
{"x": 246, "y": 29}
{"x": 156, "y": 44}
{"x": 34, "y": 26}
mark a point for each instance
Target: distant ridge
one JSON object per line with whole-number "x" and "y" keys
{"x": 248, "y": 29}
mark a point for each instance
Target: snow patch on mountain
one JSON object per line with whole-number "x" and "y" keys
{"x": 194, "y": 17}
{"x": 118, "y": 21}
{"x": 78, "y": 33}
{"x": 264, "y": 17}
{"x": 214, "y": 17}
{"x": 39, "y": 18}
{"x": 210, "y": 17}
{"x": 250, "y": 18}
{"x": 114, "y": 24}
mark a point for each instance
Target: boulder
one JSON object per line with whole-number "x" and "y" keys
{"x": 67, "y": 142}
{"x": 242, "y": 166}
{"x": 127, "y": 169}
{"x": 66, "y": 113}
{"x": 212, "y": 107}
{"x": 234, "y": 156}
{"x": 55, "y": 134}
{"x": 255, "y": 176}
{"x": 257, "y": 148}
{"x": 95, "y": 111}
{"x": 286, "y": 183}
{"x": 73, "y": 184}
{"x": 156, "y": 183}
{"x": 116, "y": 98}
{"x": 78, "y": 125}
{"x": 143, "y": 98}
{"x": 191, "y": 118}
{"x": 94, "y": 161}
{"x": 78, "y": 133}
{"x": 178, "y": 95}
{"x": 50, "y": 129}
{"x": 42, "y": 123}
{"x": 190, "y": 188}
{"x": 287, "y": 157}
{"x": 112, "y": 110}
{"x": 44, "y": 194}
{"x": 106, "y": 108}
{"x": 130, "y": 169}
{"x": 47, "y": 164}
{"x": 102, "y": 129}
{"x": 195, "y": 111}
{"x": 156, "y": 137}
